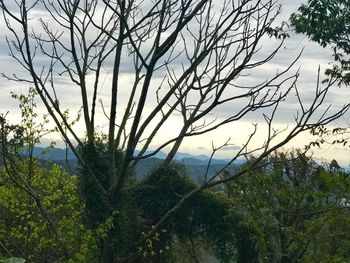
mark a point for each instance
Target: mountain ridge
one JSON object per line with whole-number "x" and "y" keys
{"x": 56, "y": 153}
{"x": 196, "y": 165}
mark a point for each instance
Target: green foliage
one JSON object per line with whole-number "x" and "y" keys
{"x": 162, "y": 189}
{"x": 96, "y": 204}
{"x": 327, "y": 22}
{"x": 204, "y": 220}
{"x": 154, "y": 196}
{"x": 32, "y": 126}
{"x": 95, "y": 176}
{"x": 41, "y": 214}
{"x": 115, "y": 222}
{"x": 277, "y": 32}
{"x": 26, "y": 232}
{"x": 288, "y": 211}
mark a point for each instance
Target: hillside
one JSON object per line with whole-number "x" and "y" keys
{"x": 196, "y": 165}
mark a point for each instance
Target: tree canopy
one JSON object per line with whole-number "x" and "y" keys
{"x": 328, "y": 23}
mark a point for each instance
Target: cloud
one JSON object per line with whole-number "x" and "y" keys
{"x": 312, "y": 57}
{"x": 231, "y": 148}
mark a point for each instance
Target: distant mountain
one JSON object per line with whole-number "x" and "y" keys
{"x": 180, "y": 156}
{"x": 196, "y": 165}
{"x": 195, "y": 161}
{"x": 54, "y": 154}
{"x": 192, "y": 161}
{"x": 158, "y": 155}
{"x": 196, "y": 168}
{"x": 62, "y": 154}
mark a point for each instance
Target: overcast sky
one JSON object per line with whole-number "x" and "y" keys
{"x": 313, "y": 56}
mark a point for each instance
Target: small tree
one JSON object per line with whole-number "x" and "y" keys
{"x": 41, "y": 213}
{"x": 189, "y": 57}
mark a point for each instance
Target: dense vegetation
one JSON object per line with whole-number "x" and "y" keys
{"x": 289, "y": 209}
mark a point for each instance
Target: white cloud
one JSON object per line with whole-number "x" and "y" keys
{"x": 312, "y": 56}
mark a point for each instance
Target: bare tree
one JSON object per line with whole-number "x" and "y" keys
{"x": 185, "y": 57}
